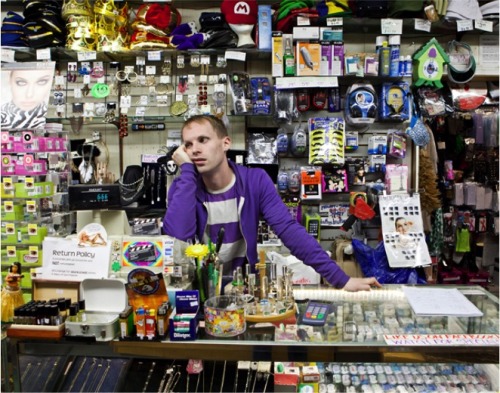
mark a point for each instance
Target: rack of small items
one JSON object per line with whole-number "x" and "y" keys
{"x": 270, "y": 298}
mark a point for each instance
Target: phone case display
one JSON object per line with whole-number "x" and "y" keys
{"x": 34, "y": 190}
{"x": 402, "y": 228}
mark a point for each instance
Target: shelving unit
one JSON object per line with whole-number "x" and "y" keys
{"x": 35, "y": 177}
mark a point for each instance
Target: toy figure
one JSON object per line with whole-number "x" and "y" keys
{"x": 12, "y": 296}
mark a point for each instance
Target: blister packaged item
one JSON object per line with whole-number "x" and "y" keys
{"x": 282, "y": 182}
{"x": 298, "y": 142}
{"x": 355, "y": 170}
{"x": 285, "y": 109}
{"x": 377, "y": 144}
{"x": 334, "y": 101}
{"x": 326, "y": 140}
{"x": 282, "y": 143}
{"x": 361, "y": 104}
{"x": 351, "y": 141}
{"x": 376, "y": 163}
{"x": 431, "y": 102}
{"x": 260, "y": 90}
{"x": 262, "y": 149}
{"x": 310, "y": 179}
{"x": 240, "y": 82}
{"x": 396, "y": 145}
{"x": 294, "y": 181}
{"x": 396, "y": 179}
{"x": 469, "y": 96}
{"x": 394, "y": 102}
{"x": 334, "y": 180}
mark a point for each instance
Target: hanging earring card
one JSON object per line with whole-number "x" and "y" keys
{"x": 403, "y": 233}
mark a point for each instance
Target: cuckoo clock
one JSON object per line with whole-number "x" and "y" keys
{"x": 430, "y": 61}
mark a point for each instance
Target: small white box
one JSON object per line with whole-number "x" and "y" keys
{"x": 305, "y": 33}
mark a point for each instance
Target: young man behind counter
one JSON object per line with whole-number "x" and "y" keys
{"x": 213, "y": 192}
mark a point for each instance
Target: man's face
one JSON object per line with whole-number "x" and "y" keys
{"x": 204, "y": 147}
{"x": 30, "y": 88}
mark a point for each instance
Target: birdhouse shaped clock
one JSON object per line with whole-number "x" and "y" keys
{"x": 430, "y": 61}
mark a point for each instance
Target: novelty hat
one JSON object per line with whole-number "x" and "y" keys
{"x": 239, "y": 12}
{"x": 462, "y": 65}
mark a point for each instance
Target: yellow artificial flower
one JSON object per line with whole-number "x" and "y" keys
{"x": 197, "y": 251}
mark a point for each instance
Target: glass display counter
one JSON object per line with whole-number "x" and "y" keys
{"x": 376, "y": 327}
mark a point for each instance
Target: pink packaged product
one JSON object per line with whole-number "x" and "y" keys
{"x": 36, "y": 167}
{"x": 396, "y": 179}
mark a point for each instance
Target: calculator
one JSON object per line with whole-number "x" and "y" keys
{"x": 315, "y": 313}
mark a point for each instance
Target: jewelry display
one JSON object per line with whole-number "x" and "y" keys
{"x": 89, "y": 373}
{"x": 148, "y": 378}
{"x": 49, "y": 377}
{"x": 103, "y": 377}
{"x": 152, "y": 188}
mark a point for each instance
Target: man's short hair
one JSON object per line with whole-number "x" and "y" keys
{"x": 216, "y": 123}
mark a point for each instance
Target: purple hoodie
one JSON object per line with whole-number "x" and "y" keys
{"x": 186, "y": 217}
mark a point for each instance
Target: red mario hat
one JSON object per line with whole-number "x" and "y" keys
{"x": 240, "y": 12}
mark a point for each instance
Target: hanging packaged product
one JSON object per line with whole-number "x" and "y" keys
{"x": 239, "y": 82}
{"x": 260, "y": 93}
{"x": 394, "y": 103}
{"x": 361, "y": 104}
{"x": 310, "y": 182}
{"x": 326, "y": 140}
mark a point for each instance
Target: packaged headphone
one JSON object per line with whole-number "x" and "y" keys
{"x": 361, "y": 104}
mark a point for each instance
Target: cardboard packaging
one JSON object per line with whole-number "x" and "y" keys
{"x": 308, "y": 58}
{"x": 264, "y": 28}
{"x": 105, "y": 299}
{"x": 277, "y": 57}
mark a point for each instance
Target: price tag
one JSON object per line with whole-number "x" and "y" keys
{"x": 154, "y": 55}
{"x": 87, "y": 55}
{"x": 59, "y": 80}
{"x": 423, "y": 25}
{"x": 391, "y": 26}
{"x": 234, "y": 55}
{"x": 43, "y": 54}
{"x": 140, "y": 60}
{"x": 334, "y": 21}
{"x": 151, "y": 70}
{"x": 303, "y": 21}
{"x": 128, "y": 69}
{"x": 77, "y": 93}
{"x": 140, "y": 111}
{"x": 125, "y": 102}
{"x": 143, "y": 100}
{"x": 203, "y": 78}
{"x": 164, "y": 78}
{"x": 86, "y": 79}
{"x": 8, "y": 55}
{"x": 464, "y": 25}
{"x": 484, "y": 25}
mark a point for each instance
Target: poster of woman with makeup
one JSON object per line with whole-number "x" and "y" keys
{"x": 25, "y": 94}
